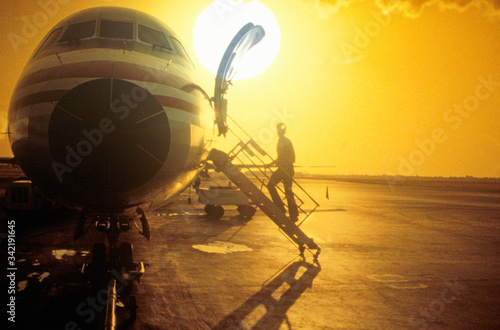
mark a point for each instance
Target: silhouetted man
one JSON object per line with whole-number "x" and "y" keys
{"x": 285, "y": 172}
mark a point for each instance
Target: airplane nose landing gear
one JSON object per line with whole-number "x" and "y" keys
{"x": 114, "y": 287}
{"x": 113, "y": 278}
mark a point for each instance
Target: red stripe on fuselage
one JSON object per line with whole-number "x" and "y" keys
{"x": 55, "y": 96}
{"x": 104, "y": 69}
{"x": 98, "y": 70}
{"x": 46, "y": 96}
{"x": 172, "y": 102}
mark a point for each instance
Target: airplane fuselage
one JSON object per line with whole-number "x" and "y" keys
{"x": 107, "y": 114}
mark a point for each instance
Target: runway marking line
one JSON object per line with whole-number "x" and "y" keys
{"x": 395, "y": 281}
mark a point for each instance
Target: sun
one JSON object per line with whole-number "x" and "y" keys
{"x": 218, "y": 24}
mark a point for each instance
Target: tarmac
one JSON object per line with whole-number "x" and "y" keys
{"x": 406, "y": 256}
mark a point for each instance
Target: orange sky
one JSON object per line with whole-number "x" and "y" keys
{"x": 359, "y": 90}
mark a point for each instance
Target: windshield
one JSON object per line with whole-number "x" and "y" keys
{"x": 79, "y": 31}
{"x": 119, "y": 30}
{"x": 153, "y": 37}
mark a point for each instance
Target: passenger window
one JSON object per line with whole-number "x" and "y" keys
{"x": 117, "y": 30}
{"x": 79, "y": 31}
{"x": 153, "y": 37}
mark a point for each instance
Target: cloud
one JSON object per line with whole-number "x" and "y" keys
{"x": 412, "y": 8}
{"x": 324, "y": 8}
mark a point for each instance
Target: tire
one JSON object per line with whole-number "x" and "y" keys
{"x": 218, "y": 212}
{"x": 99, "y": 255}
{"x": 214, "y": 212}
{"x": 126, "y": 256}
{"x": 98, "y": 269}
{"x": 133, "y": 308}
{"x": 209, "y": 209}
{"x": 246, "y": 210}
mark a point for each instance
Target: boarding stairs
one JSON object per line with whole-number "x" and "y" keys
{"x": 248, "y": 156}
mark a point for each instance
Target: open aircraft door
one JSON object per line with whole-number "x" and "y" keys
{"x": 247, "y": 37}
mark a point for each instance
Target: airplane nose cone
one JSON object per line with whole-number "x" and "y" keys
{"x": 108, "y": 135}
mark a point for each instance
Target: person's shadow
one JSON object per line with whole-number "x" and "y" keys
{"x": 267, "y": 308}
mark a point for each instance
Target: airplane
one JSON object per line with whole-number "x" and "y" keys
{"x": 108, "y": 118}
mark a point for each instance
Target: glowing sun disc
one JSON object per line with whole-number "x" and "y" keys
{"x": 220, "y": 21}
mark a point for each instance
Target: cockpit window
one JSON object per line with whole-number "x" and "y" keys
{"x": 49, "y": 40}
{"x": 117, "y": 30}
{"x": 79, "y": 31}
{"x": 180, "y": 49}
{"x": 153, "y": 37}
